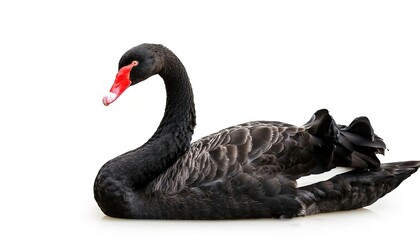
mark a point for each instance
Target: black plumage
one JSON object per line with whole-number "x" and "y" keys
{"x": 245, "y": 171}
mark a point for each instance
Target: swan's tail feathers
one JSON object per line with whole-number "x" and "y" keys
{"x": 355, "y": 145}
{"x": 355, "y": 189}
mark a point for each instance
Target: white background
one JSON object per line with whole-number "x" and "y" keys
{"x": 247, "y": 60}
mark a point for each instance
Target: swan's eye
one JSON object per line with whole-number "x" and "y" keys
{"x": 135, "y": 63}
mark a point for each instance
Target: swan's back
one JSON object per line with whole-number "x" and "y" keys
{"x": 267, "y": 150}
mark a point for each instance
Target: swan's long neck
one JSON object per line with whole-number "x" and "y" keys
{"x": 173, "y": 136}
{"x": 121, "y": 177}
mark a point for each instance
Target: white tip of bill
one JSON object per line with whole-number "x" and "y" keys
{"x": 109, "y": 98}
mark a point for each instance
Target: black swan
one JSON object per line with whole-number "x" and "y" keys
{"x": 245, "y": 171}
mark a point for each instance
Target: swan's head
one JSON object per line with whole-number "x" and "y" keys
{"x": 136, "y": 65}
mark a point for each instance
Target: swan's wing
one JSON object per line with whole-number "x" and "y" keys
{"x": 249, "y": 148}
{"x": 272, "y": 153}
